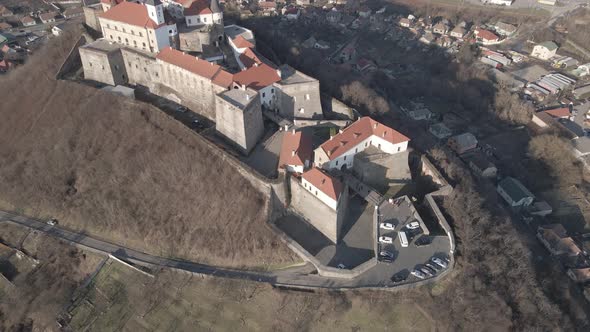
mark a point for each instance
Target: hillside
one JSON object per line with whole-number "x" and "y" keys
{"x": 124, "y": 171}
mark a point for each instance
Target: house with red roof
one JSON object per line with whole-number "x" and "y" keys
{"x": 142, "y": 26}
{"x": 485, "y": 37}
{"x": 338, "y": 152}
{"x": 544, "y": 119}
{"x": 108, "y": 4}
{"x": 325, "y": 187}
{"x": 196, "y": 12}
{"x": 322, "y": 200}
{"x": 296, "y": 152}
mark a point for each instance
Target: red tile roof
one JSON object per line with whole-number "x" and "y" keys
{"x": 257, "y": 77}
{"x": 196, "y": 7}
{"x": 324, "y": 182}
{"x": 267, "y": 5}
{"x": 300, "y": 144}
{"x": 486, "y": 35}
{"x": 563, "y": 112}
{"x": 27, "y": 19}
{"x": 197, "y": 66}
{"x": 360, "y": 130}
{"x": 131, "y": 13}
{"x": 242, "y": 42}
{"x": 47, "y": 16}
{"x": 249, "y": 58}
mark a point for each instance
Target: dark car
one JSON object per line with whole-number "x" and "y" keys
{"x": 423, "y": 241}
{"x": 433, "y": 267}
{"x": 386, "y": 256}
{"x": 397, "y": 278}
{"x": 429, "y": 269}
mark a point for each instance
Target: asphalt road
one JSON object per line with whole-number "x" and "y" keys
{"x": 291, "y": 277}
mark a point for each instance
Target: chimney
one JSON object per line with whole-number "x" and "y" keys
{"x": 356, "y": 135}
{"x": 375, "y": 126}
{"x": 247, "y": 97}
{"x": 286, "y": 127}
{"x": 341, "y": 143}
{"x": 340, "y": 131}
{"x": 323, "y": 181}
{"x": 329, "y": 153}
{"x": 293, "y": 153}
{"x": 293, "y": 131}
{"x": 331, "y": 138}
{"x": 385, "y": 132}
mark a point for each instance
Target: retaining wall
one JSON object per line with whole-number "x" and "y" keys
{"x": 72, "y": 61}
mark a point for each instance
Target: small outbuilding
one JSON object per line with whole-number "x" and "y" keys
{"x": 514, "y": 193}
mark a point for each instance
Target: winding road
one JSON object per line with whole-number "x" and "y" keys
{"x": 296, "y": 277}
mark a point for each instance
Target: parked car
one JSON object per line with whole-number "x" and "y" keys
{"x": 387, "y": 226}
{"x": 418, "y": 274}
{"x": 385, "y": 239}
{"x": 341, "y": 266}
{"x": 423, "y": 241}
{"x": 433, "y": 267}
{"x": 426, "y": 271}
{"x": 181, "y": 109}
{"x": 52, "y": 222}
{"x": 439, "y": 262}
{"x": 397, "y": 278}
{"x": 413, "y": 225}
{"x": 386, "y": 256}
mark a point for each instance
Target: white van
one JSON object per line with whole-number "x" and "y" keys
{"x": 403, "y": 239}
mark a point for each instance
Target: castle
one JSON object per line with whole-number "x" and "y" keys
{"x": 173, "y": 49}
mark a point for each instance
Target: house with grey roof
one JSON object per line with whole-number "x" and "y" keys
{"x": 462, "y": 143}
{"x": 514, "y": 193}
{"x": 545, "y": 50}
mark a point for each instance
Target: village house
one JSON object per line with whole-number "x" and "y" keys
{"x": 440, "y": 28}
{"x": 514, "y": 193}
{"x": 486, "y": 37}
{"x": 364, "y": 12}
{"x": 458, "y": 32}
{"x": 339, "y": 151}
{"x": 545, "y": 50}
{"x": 333, "y": 16}
{"x": 27, "y": 21}
{"x": 546, "y": 118}
{"x": 405, "y": 22}
{"x": 462, "y": 143}
{"x": 504, "y": 29}
{"x": 296, "y": 152}
{"x": 48, "y": 17}
{"x": 428, "y": 38}
{"x": 554, "y": 238}
{"x": 291, "y": 13}
{"x": 581, "y": 70}
{"x": 5, "y": 12}
{"x": 5, "y": 26}
{"x": 57, "y": 30}
{"x": 73, "y": 12}
{"x": 268, "y": 7}
{"x": 440, "y": 130}
{"x": 481, "y": 166}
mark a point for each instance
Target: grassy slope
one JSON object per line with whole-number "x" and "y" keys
{"x": 181, "y": 303}
{"x": 124, "y": 171}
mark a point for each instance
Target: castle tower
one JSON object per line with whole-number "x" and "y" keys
{"x": 155, "y": 10}
{"x": 217, "y": 12}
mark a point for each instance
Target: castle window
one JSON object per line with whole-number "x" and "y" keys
{"x": 116, "y": 67}
{"x": 112, "y": 37}
{"x": 399, "y": 148}
{"x": 143, "y": 45}
{"x": 307, "y": 96}
{"x": 157, "y": 75}
{"x": 133, "y": 32}
{"x": 344, "y": 157}
{"x": 316, "y": 192}
{"x": 263, "y": 94}
{"x": 126, "y": 41}
{"x": 124, "y": 30}
{"x": 119, "y": 38}
{"x": 145, "y": 69}
{"x": 108, "y": 26}
{"x": 90, "y": 64}
{"x": 272, "y": 90}
{"x": 170, "y": 31}
{"x": 135, "y": 43}
{"x": 141, "y": 34}
{"x": 336, "y": 162}
{"x": 189, "y": 21}
{"x": 205, "y": 19}
{"x": 116, "y": 28}
{"x": 301, "y": 110}
{"x": 198, "y": 20}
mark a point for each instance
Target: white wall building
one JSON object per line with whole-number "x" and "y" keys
{"x": 339, "y": 151}
{"x": 544, "y": 51}
{"x": 326, "y": 188}
{"x": 140, "y": 26}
